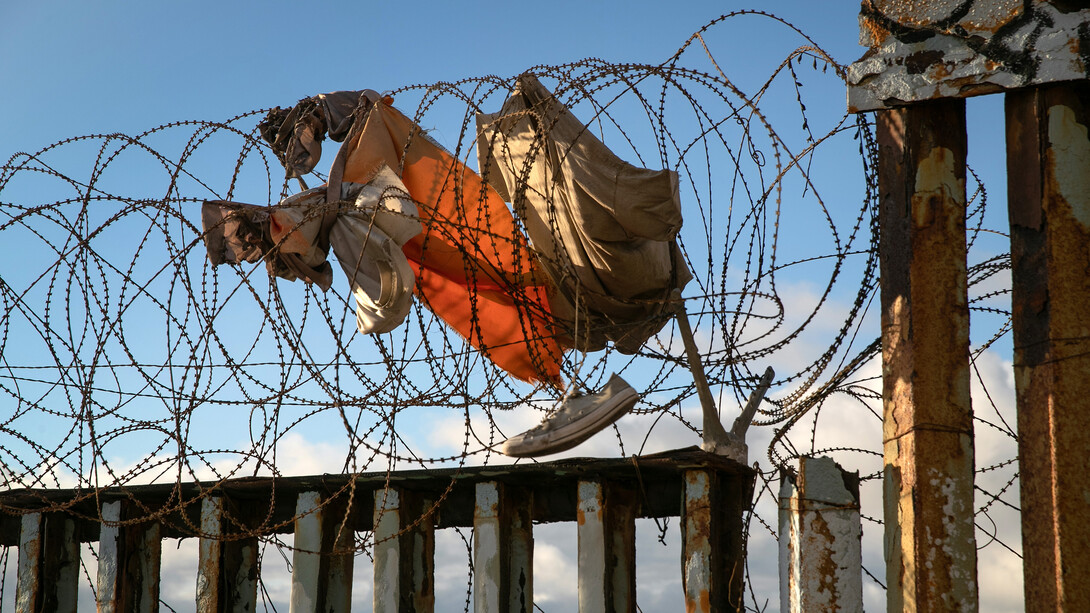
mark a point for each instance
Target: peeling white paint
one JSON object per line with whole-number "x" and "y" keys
{"x": 696, "y": 548}
{"x": 209, "y": 552}
{"x": 591, "y": 539}
{"x": 820, "y": 541}
{"x": 1069, "y": 147}
{"x": 890, "y": 74}
{"x": 306, "y": 559}
{"x": 387, "y": 551}
{"x": 143, "y": 560}
{"x": 936, "y": 181}
{"x": 486, "y": 550}
{"x": 30, "y": 551}
{"x": 108, "y": 563}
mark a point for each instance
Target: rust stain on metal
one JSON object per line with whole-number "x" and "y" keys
{"x": 711, "y": 544}
{"x": 129, "y": 546}
{"x": 210, "y": 555}
{"x": 920, "y": 61}
{"x": 931, "y": 553}
{"x": 820, "y": 532}
{"x": 1052, "y": 348}
{"x": 957, "y": 48}
{"x": 28, "y": 589}
{"x": 827, "y": 568}
{"x": 702, "y": 604}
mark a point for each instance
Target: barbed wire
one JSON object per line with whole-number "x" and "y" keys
{"x": 126, "y": 357}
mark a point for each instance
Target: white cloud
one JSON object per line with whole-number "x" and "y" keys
{"x": 555, "y": 564}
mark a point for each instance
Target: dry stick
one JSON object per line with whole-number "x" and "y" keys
{"x": 713, "y": 428}
{"x": 741, "y": 424}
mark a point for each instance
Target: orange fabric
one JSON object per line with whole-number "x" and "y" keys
{"x": 470, "y": 253}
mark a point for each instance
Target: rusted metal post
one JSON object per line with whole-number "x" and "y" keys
{"x": 928, "y": 421}
{"x": 48, "y": 564}
{"x": 606, "y": 518}
{"x": 1048, "y": 187}
{"x": 503, "y": 549}
{"x": 711, "y": 543}
{"x": 128, "y": 561}
{"x": 321, "y": 578}
{"x": 821, "y": 555}
{"x": 404, "y": 553}
{"x": 227, "y": 570}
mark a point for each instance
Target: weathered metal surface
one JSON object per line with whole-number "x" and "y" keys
{"x": 503, "y": 549}
{"x": 821, "y": 553}
{"x": 227, "y": 568}
{"x": 552, "y": 485}
{"x": 401, "y": 516}
{"x": 404, "y": 552}
{"x": 517, "y": 515}
{"x": 1048, "y": 166}
{"x": 48, "y": 569}
{"x": 307, "y": 558}
{"x": 387, "y": 551}
{"x": 28, "y": 590}
{"x": 712, "y": 556}
{"x": 210, "y": 552}
{"x": 928, "y": 430}
{"x": 128, "y": 561}
{"x": 956, "y": 48}
{"x": 489, "y": 580}
{"x": 606, "y": 536}
{"x": 696, "y": 549}
{"x": 592, "y": 545}
{"x": 321, "y": 578}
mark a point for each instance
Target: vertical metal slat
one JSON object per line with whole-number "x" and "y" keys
{"x": 227, "y": 570}
{"x": 48, "y": 571}
{"x": 128, "y": 562}
{"x": 1048, "y": 165}
{"x": 404, "y": 553}
{"x": 321, "y": 580}
{"x": 503, "y": 549}
{"x": 606, "y": 519}
{"x": 712, "y": 564}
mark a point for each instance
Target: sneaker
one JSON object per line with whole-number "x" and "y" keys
{"x": 578, "y": 419}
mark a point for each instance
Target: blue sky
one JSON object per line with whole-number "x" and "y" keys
{"x": 97, "y": 67}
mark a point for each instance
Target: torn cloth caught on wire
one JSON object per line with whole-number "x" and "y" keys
{"x": 371, "y": 223}
{"x": 603, "y": 229}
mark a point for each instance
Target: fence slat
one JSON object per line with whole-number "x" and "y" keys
{"x": 48, "y": 572}
{"x": 227, "y": 570}
{"x": 128, "y": 561}
{"x": 711, "y": 542}
{"x": 503, "y": 549}
{"x": 607, "y": 548}
{"x": 517, "y": 514}
{"x": 321, "y": 582}
{"x": 404, "y": 553}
